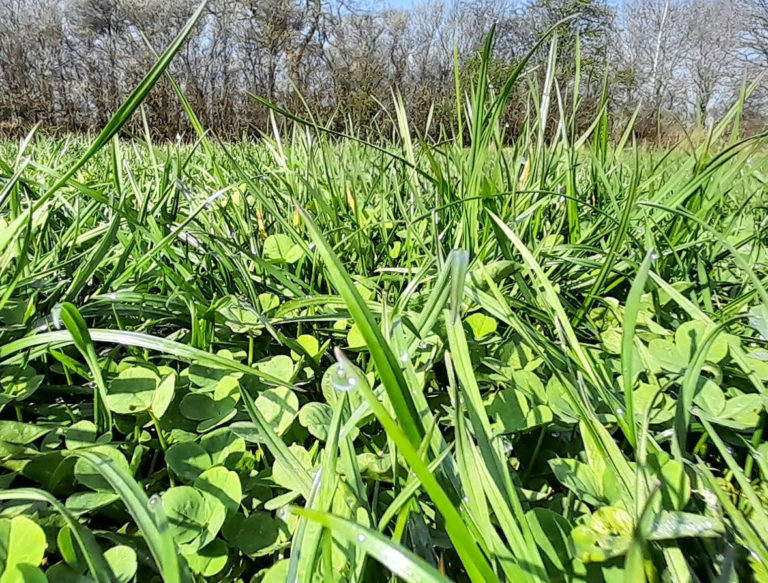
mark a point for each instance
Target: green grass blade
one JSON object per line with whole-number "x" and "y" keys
{"x": 400, "y": 561}
{"x": 147, "y": 513}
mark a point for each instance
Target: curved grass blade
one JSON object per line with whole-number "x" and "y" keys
{"x": 631, "y": 310}
{"x": 148, "y": 515}
{"x": 475, "y": 563}
{"x": 737, "y": 258}
{"x": 276, "y": 445}
{"x": 98, "y": 567}
{"x": 81, "y": 338}
{"x": 182, "y": 351}
{"x": 386, "y": 363}
{"x": 400, "y": 561}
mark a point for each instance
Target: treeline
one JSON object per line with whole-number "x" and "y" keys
{"x": 68, "y": 64}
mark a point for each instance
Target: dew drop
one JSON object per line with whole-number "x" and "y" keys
{"x": 404, "y": 357}
{"x": 424, "y": 346}
{"x": 154, "y": 500}
{"x": 352, "y": 382}
{"x": 654, "y": 255}
{"x": 42, "y": 327}
{"x": 466, "y": 499}
{"x": 312, "y": 247}
{"x": 619, "y": 411}
{"x": 56, "y": 315}
{"x": 113, "y": 296}
{"x": 341, "y": 371}
{"x": 361, "y": 538}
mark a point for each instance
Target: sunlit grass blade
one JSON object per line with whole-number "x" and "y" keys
{"x": 81, "y": 338}
{"x": 465, "y": 545}
{"x": 628, "y": 352}
{"x": 99, "y": 569}
{"x": 147, "y": 513}
{"x": 400, "y": 561}
{"x": 387, "y": 364}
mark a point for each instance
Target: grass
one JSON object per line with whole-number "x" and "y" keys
{"x": 540, "y": 357}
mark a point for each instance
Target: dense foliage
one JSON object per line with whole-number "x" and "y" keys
{"x": 306, "y": 358}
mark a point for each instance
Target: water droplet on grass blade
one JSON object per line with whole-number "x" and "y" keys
{"x": 346, "y": 376}
{"x": 361, "y": 538}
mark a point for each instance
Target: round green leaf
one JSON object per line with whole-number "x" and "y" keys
{"x": 221, "y": 443}
{"x": 258, "y": 535}
{"x": 280, "y": 366}
{"x": 188, "y": 460}
{"x": 666, "y": 356}
{"x": 80, "y": 434}
{"x": 280, "y": 248}
{"x": 481, "y": 325}
{"x": 355, "y": 337}
{"x": 277, "y": 573}
{"x": 279, "y": 406}
{"x": 222, "y": 484}
{"x": 199, "y": 406}
{"x": 23, "y": 541}
{"x": 308, "y": 343}
{"x": 194, "y": 517}
{"x": 21, "y": 433}
{"x": 209, "y": 560}
{"x": 163, "y": 395}
{"x": 285, "y": 476}
{"x": 122, "y": 560}
{"x": 23, "y": 574}
{"x": 691, "y": 335}
{"x": 88, "y": 476}
{"x": 316, "y": 417}
{"x": 132, "y": 391}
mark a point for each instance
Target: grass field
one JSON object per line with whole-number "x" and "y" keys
{"x": 302, "y": 359}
